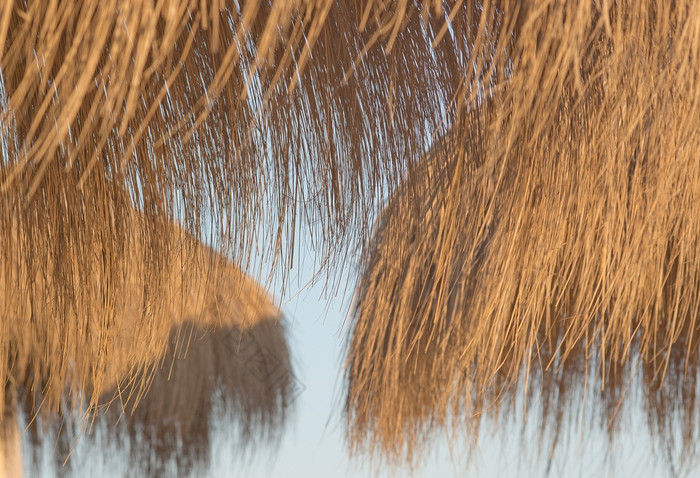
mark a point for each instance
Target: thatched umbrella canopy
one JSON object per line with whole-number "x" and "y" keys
{"x": 548, "y": 246}
{"x": 216, "y": 336}
{"x": 209, "y": 378}
{"x": 563, "y": 225}
{"x": 235, "y": 115}
{"x": 180, "y": 109}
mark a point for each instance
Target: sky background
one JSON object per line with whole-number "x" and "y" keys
{"x": 313, "y": 444}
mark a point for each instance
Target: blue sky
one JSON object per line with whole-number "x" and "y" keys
{"x": 313, "y": 443}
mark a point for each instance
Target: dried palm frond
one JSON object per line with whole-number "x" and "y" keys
{"x": 549, "y": 241}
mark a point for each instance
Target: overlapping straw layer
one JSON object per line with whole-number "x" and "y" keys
{"x": 124, "y": 338}
{"x": 213, "y": 379}
{"x": 563, "y": 224}
{"x": 225, "y": 375}
{"x": 179, "y": 109}
{"x": 549, "y": 245}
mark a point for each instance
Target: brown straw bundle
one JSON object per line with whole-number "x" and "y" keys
{"x": 549, "y": 242}
{"x": 238, "y": 378}
{"x": 209, "y": 112}
{"x": 208, "y": 342}
{"x": 555, "y": 231}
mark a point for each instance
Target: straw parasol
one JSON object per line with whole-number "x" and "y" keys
{"x": 547, "y": 245}
{"x": 563, "y": 223}
{"x": 215, "y": 331}
{"x": 208, "y": 113}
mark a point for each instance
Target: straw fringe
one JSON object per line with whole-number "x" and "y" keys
{"x": 129, "y": 322}
{"x": 207, "y": 375}
{"x": 570, "y": 229}
{"x": 210, "y": 376}
{"x": 547, "y": 243}
{"x": 165, "y": 363}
